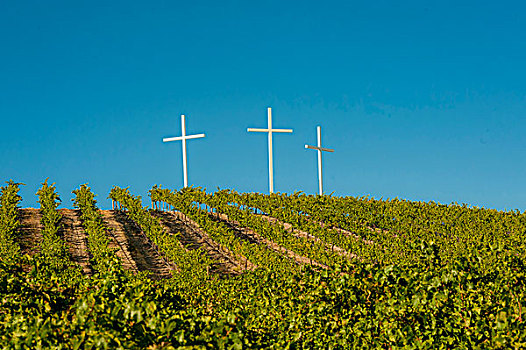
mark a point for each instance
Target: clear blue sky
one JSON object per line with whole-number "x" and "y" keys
{"x": 423, "y": 100}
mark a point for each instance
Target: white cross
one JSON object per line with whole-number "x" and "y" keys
{"x": 183, "y": 138}
{"x": 319, "y": 149}
{"x": 269, "y": 130}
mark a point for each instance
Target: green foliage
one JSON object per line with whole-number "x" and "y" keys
{"x": 104, "y": 258}
{"x": 115, "y": 311}
{"x": 53, "y": 254}
{"x": 9, "y": 223}
{"x": 191, "y": 264}
{"x": 434, "y": 296}
{"x": 219, "y": 203}
{"x": 260, "y": 255}
{"x": 386, "y": 230}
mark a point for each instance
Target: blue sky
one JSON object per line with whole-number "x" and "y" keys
{"x": 421, "y": 100}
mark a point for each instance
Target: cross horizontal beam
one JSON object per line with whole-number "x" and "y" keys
{"x": 319, "y": 148}
{"x": 179, "y": 138}
{"x": 269, "y": 130}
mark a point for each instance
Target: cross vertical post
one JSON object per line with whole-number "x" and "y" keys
{"x": 319, "y": 149}
{"x": 183, "y": 138}
{"x": 270, "y": 130}
{"x": 270, "y": 159}
{"x": 320, "y": 175}
{"x": 183, "y": 133}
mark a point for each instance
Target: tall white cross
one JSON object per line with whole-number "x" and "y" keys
{"x": 269, "y": 130}
{"x": 183, "y": 138}
{"x": 319, "y": 149}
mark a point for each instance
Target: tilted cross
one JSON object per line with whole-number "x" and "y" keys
{"x": 183, "y": 138}
{"x": 319, "y": 149}
{"x": 269, "y": 130}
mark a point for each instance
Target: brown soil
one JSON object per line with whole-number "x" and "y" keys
{"x": 136, "y": 251}
{"x": 29, "y": 236}
{"x": 298, "y": 233}
{"x": 130, "y": 244}
{"x": 253, "y": 237}
{"x": 76, "y": 239}
{"x": 193, "y": 237}
{"x": 118, "y": 241}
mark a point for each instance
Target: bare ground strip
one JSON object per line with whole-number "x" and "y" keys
{"x": 253, "y": 237}
{"x": 118, "y": 241}
{"x": 298, "y": 233}
{"x": 29, "y": 234}
{"x": 135, "y": 249}
{"x": 76, "y": 238}
{"x": 192, "y": 237}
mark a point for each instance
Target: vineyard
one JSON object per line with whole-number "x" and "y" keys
{"x": 228, "y": 270}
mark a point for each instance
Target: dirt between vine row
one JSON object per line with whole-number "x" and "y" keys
{"x": 136, "y": 251}
{"x": 254, "y": 238}
{"x": 298, "y": 233}
{"x": 29, "y": 236}
{"x": 193, "y": 237}
{"x": 132, "y": 247}
{"x": 76, "y": 238}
